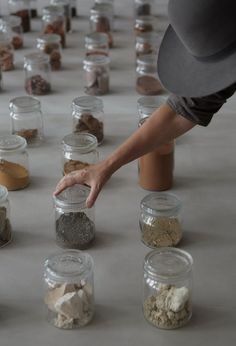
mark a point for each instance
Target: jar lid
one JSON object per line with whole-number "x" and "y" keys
{"x": 96, "y": 37}
{"x": 23, "y": 104}
{"x": 3, "y": 193}
{"x": 53, "y": 10}
{"x": 87, "y": 103}
{"x": 69, "y": 265}
{"x": 147, "y": 60}
{"x": 168, "y": 263}
{"x": 49, "y": 38}
{"x": 97, "y": 60}
{"x": 161, "y": 204}
{"x": 81, "y": 142}
{"x": 10, "y": 143}
{"x": 71, "y": 197}
{"x": 36, "y": 58}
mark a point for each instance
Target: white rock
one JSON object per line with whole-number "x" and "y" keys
{"x": 53, "y": 295}
{"x": 70, "y": 306}
{"x": 178, "y": 298}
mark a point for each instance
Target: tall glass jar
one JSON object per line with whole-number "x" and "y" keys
{"x": 79, "y": 150}
{"x": 74, "y": 225}
{"x": 101, "y": 20}
{"x": 69, "y": 289}
{"x": 143, "y": 7}
{"x": 66, "y": 4}
{"x": 155, "y": 168}
{"x": 6, "y": 53}
{"x": 27, "y": 119}
{"x": 167, "y": 288}
{"x": 147, "y": 82}
{"x": 144, "y": 24}
{"x": 33, "y": 8}
{"x": 50, "y": 45}
{"x": 11, "y": 26}
{"x": 96, "y": 43}
{"x": 147, "y": 43}
{"x": 53, "y": 22}
{"x": 5, "y": 224}
{"x": 37, "y": 73}
{"x": 88, "y": 116}
{"x": 96, "y": 69}
{"x": 21, "y": 8}
{"x": 14, "y": 162}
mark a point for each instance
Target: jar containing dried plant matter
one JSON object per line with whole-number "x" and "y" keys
{"x": 21, "y": 8}
{"x": 53, "y": 22}
{"x": 6, "y": 53}
{"x": 50, "y": 45}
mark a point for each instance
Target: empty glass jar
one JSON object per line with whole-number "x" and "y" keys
{"x": 5, "y": 224}
{"x": 50, "y": 45}
{"x": 74, "y": 224}
{"x": 6, "y": 53}
{"x": 147, "y": 82}
{"x": 101, "y": 20}
{"x": 66, "y": 4}
{"x": 53, "y": 22}
{"x": 11, "y": 25}
{"x": 167, "y": 288}
{"x": 21, "y": 8}
{"x": 69, "y": 289}
{"x": 96, "y": 43}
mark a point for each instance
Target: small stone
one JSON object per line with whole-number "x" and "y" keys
{"x": 70, "y": 305}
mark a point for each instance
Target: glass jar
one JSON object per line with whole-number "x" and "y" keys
{"x": 54, "y": 22}
{"x": 147, "y": 43}
{"x": 155, "y": 168}
{"x": 5, "y": 224}
{"x": 96, "y": 43}
{"x": 21, "y": 8}
{"x": 101, "y": 20}
{"x": 88, "y": 116}
{"x": 167, "y": 288}
{"x": 33, "y": 9}
{"x": 11, "y": 26}
{"x": 79, "y": 150}
{"x": 143, "y": 7}
{"x": 69, "y": 289}
{"x": 50, "y": 45}
{"x": 73, "y": 4}
{"x": 144, "y": 24}
{"x": 14, "y": 165}
{"x": 66, "y": 4}
{"x": 37, "y": 73}
{"x": 147, "y": 82}
{"x": 27, "y": 119}
{"x": 110, "y": 3}
{"x": 160, "y": 219}
{"x": 96, "y": 69}
{"x": 6, "y": 53}
{"x": 74, "y": 224}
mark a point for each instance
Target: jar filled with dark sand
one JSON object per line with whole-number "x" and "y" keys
{"x": 147, "y": 82}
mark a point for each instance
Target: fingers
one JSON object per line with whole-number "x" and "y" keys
{"x": 67, "y": 181}
{"x": 92, "y": 196}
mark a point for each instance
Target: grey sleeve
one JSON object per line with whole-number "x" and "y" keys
{"x": 200, "y": 110}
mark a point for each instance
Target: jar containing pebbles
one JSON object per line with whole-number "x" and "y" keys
{"x": 96, "y": 43}
{"x": 79, "y": 150}
{"x": 143, "y": 7}
{"x": 147, "y": 43}
{"x": 160, "y": 220}
{"x": 5, "y": 224}
{"x": 101, "y": 20}
{"x": 50, "y": 45}
{"x": 37, "y": 73}
{"x": 11, "y": 25}
{"x": 97, "y": 69}
{"x": 144, "y": 24}
{"x": 26, "y": 119}
{"x": 69, "y": 289}
{"x": 6, "y": 53}
{"x": 53, "y": 22}
{"x": 88, "y": 116}
{"x": 14, "y": 162}
{"x": 147, "y": 82}
{"x": 167, "y": 288}
{"x": 66, "y": 4}
{"x": 21, "y": 8}
{"x": 74, "y": 225}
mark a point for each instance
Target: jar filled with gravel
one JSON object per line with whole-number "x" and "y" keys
{"x": 96, "y": 43}
{"x": 53, "y": 22}
{"x": 6, "y": 53}
{"x": 21, "y": 8}
{"x": 74, "y": 222}
{"x": 11, "y": 25}
{"x": 5, "y": 224}
{"x": 167, "y": 288}
{"x": 50, "y": 45}
{"x": 160, "y": 220}
{"x": 69, "y": 289}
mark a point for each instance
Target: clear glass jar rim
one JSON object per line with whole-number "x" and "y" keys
{"x": 10, "y": 143}
{"x": 24, "y": 104}
{"x": 36, "y": 57}
{"x": 95, "y": 37}
{"x": 49, "y": 38}
{"x": 149, "y": 204}
{"x": 97, "y": 60}
{"x": 3, "y": 193}
{"x": 87, "y": 103}
{"x": 53, "y": 9}
{"x": 72, "y": 197}
{"x": 82, "y": 142}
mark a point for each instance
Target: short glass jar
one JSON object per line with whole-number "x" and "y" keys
{"x": 11, "y": 26}
{"x": 160, "y": 220}
{"x": 6, "y": 53}
{"x": 37, "y": 73}
{"x": 144, "y": 24}
{"x": 96, "y": 43}
{"x": 97, "y": 69}
{"x": 5, "y": 224}
{"x": 88, "y": 116}
{"x": 66, "y": 4}
{"x": 147, "y": 43}
{"x": 14, "y": 162}
{"x": 53, "y": 22}
{"x": 69, "y": 289}
{"x": 21, "y": 8}
{"x": 79, "y": 150}
{"x": 101, "y": 20}
{"x": 147, "y": 82}
{"x": 27, "y": 119}
{"x": 143, "y": 7}
{"x": 33, "y": 8}
{"x": 167, "y": 288}
{"x": 74, "y": 224}
{"x": 50, "y": 45}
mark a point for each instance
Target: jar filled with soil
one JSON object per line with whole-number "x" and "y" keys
{"x": 69, "y": 289}
{"x": 14, "y": 162}
{"x": 97, "y": 69}
{"x": 147, "y": 82}
{"x": 50, "y": 45}
{"x": 88, "y": 116}
{"x": 167, "y": 288}
{"x": 6, "y": 53}
{"x": 74, "y": 222}
{"x": 147, "y": 43}
{"x": 53, "y": 22}
{"x": 144, "y": 24}
{"x": 37, "y": 74}
{"x": 79, "y": 150}
{"x": 33, "y": 8}
{"x": 66, "y": 4}
{"x": 143, "y": 7}
{"x": 11, "y": 25}
{"x": 21, "y": 8}
{"x": 101, "y": 20}
{"x": 96, "y": 43}
{"x": 5, "y": 224}
{"x": 27, "y": 119}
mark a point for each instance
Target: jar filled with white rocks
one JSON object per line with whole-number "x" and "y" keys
{"x": 69, "y": 289}
{"x": 74, "y": 222}
{"x": 167, "y": 288}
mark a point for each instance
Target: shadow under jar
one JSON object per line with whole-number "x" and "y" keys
{"x": 50, "y": 45}
{"x": 101, "y": 20}
{"x": 69, "y": 289}
{"x": 11, "y": 25}
{"x": 96, "y": 43}
{"x": 53, "y": 22}
{"x": 74, "y": 222}
{"x": 167, "y": 288}
{"x": 21, "y": 8}
{"x": 5, "y": 224}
